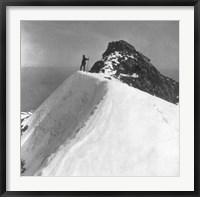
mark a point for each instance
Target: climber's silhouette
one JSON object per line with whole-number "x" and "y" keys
{"x": 83, "y": 63}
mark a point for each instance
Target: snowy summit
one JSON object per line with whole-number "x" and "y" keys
{"x": 123, "y": 62}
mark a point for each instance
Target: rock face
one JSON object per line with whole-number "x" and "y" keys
{"x": 123, "y": 62}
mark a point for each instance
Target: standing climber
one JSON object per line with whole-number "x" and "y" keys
{"x": 83, "y": 63}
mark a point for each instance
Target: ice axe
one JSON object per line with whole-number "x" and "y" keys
{"x": 88, "y": 64}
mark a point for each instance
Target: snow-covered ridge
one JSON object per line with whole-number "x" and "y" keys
{"x": 93, "y": 125}
{"x": 25, "y": 115}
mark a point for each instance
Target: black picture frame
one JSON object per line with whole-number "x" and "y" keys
{"x": 4, "y": 4}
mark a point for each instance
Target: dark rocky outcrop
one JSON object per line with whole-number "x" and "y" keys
{"x": 122, "y": 61}
{"x": 24, "y": 116}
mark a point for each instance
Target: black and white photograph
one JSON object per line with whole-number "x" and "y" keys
{"x": 99, "y": 98}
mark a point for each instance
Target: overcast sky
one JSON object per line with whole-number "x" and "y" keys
{"x": 62, "y": 43}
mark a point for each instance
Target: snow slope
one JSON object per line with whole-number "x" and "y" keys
{"x": 95, "y": 126}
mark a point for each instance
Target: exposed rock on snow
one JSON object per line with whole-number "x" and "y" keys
{"x": 121, "y": 60}
{"x": 94, "y": 126}
{"x": 24, "y": 122}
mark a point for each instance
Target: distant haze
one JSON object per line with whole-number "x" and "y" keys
{"x": 62, "y": 43}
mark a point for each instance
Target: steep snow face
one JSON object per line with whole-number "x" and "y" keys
{"x": 97, "y": 126}
{"x": 60, "y": 118}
